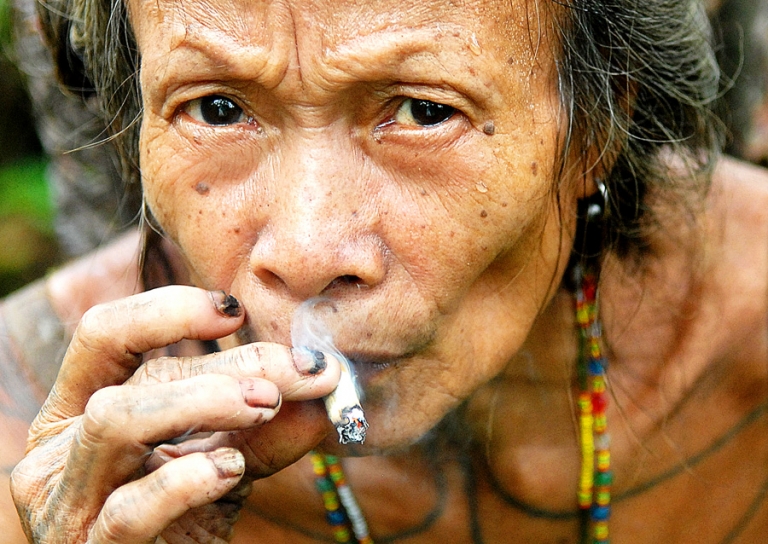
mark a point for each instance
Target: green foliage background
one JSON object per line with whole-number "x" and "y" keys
{"x": 27, "y": 241}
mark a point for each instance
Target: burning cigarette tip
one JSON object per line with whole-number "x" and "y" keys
{"x": 352, "y": 426}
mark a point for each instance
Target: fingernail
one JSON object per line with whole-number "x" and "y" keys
{"x": 260, "y": 394}
{"x": 226, "y": 304}
{"x": 228, "y": 462}
{"x": 309, "y": 361}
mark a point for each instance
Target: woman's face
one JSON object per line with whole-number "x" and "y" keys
{"x": 395, "y": 156}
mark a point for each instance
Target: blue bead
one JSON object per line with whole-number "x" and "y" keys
{"x": 336, "y": 517}
{"x": 601, "y": 513}
{"x": 596, "y": 367}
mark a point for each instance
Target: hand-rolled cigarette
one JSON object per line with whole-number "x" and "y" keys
{"x": 309, "y": 332}
{"x": 343, "y": 407}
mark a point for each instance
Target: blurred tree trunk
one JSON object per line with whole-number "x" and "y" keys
{"x": 91, "y": 202}
{"x": 742, "y": 27}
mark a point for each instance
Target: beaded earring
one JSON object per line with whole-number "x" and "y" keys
{"x": 595, "y": 478}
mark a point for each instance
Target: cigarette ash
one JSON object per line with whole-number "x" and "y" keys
{"x": 309, "y": 331}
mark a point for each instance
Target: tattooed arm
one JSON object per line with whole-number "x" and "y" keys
{"x": 36, "y": 325}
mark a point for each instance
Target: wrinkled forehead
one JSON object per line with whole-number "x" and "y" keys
{"x": 519, "y": 27}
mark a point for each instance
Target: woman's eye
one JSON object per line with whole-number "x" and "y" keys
{"x": 423, "y": 113}
{"x": 215, "y": 110}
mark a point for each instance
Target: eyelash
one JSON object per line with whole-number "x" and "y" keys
{"x": 218, "y": 110}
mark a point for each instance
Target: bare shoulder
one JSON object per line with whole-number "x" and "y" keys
{"x": 741, "y": 189}
{"x": 738, "y": 239}
{"x": 737, "y": 219}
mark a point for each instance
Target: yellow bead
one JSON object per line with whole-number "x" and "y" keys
{"x": 603, "y": 497}
{"x": 585, "y": 499}
{"x": 601, "y": 530}
{"x": 600, "y": 423}
{"x": 341, "y": 534}
{"x": 603, "y": 460}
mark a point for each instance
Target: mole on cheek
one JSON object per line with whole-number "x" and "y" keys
{"x": 202, "y": 188}
{"x": 534, "y": 168}
{"x": 489, "y": 128}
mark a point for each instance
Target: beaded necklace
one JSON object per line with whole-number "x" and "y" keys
{"x": 594, "y": 490}
{"x": 341, "y": 509}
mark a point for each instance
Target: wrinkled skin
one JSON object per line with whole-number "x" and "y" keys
{"x": 425, "y": 235}
{"x": 292, "y": 150}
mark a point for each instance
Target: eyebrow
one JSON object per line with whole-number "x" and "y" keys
{"x": 400, "y": 56}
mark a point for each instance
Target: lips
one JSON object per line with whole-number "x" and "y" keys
{"x": 370, "y": 368}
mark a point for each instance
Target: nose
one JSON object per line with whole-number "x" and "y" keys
{"x": 320, "y": 233}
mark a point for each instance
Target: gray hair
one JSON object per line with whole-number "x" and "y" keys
{"x": 638, "y": 80}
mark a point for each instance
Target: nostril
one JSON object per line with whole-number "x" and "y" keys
{"x": 346, "y": 280}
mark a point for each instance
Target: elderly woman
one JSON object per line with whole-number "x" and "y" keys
{"x": 508, "y": 215}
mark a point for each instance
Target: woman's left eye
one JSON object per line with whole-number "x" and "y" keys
{"x": 215, "y": 110}
{"x": 424, "y": 113}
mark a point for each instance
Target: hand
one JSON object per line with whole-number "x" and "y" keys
{"x": 100, "y": 467}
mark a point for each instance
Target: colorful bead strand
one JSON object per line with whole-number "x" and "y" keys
{"x": 341, "y": 509}
{"x": 594, "y": 493}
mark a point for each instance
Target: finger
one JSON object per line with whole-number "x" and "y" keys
{"x": 138, "y": 512}
{"x": 121, "y": 425}
{"x": 294, "y": 431}
{"x": 107, "y": 345}
{"x": 299, "y": 373}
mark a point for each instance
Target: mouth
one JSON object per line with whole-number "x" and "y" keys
{"x": 370, "y": 368}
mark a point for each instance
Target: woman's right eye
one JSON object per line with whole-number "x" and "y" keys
{"x": 215, "y": 110}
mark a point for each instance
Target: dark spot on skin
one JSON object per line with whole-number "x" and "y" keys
{"x": 423, "y": 192}
{"x": 196, "y": 140}
{"x": 534, "y": 168}
{"x": 199, "y": 212}
{"x": 484, "y": 248}
{"x": 503, "y": 204}
{"x": 511, "y": 60}
{"x": 483, "y": 214}
{"x": 472, "y": 71}
{"x": 354, "y": 213}
{"x": 237, "y": 230}
{"x": 202, "y": 188}
{"x": 451, "y": 234}
{"x": 489, "y": 128}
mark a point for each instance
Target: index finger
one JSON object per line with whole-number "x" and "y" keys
{"x": 108, "y": 344}
{"x": 299, "y": 374}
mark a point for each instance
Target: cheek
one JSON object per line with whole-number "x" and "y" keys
{"x": 198, "y": 199}
{"x": 454, "y": 215}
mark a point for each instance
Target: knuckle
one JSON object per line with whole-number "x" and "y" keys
{"x": 101, "y": 419}
{"x": 118, "y": 518}
{"x": 89, "y": 334}
{"x": 162, "y": 370}
{"x": 247, "y": 360}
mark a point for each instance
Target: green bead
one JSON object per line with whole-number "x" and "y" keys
{"x": 603, "y": 478}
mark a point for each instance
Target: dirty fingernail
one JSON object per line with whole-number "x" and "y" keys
{"x": 228, "y": 462}
{"x": 260, "y": 394}
{"x": 226, "y": 304}
{"x": 309, "y": 361}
